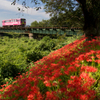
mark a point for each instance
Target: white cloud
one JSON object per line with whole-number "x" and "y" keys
{"x": 6, "y": 5}
{"x": 8, "y": 11}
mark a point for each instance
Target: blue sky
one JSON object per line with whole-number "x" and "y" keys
{"x": 8, "y": 11}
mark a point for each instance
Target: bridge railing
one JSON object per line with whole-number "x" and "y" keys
{"x": 44, "y": 30}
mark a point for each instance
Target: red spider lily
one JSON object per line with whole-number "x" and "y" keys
{"x": 63, "y": 70}
{"x": 88, "y": 69}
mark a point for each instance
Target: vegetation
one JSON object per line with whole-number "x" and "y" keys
{"x": 43, "y": 23}
{"x": 34, "y": 24}
{"x": 74, "y": 11}
{"x": 62, "y": 20}
{"x": 69, "y": 73}
{"x": 78, "y": 9}
{"x": 18, "y": 52}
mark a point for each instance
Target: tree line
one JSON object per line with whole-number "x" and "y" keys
{"x": 61, "y": 21}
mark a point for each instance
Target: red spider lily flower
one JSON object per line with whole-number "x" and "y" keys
{"x": 66, "y": 72}
{"x": 97, "y": 61}
{"x": 84, "y": 97}
{"x": 34, "y": 94}
{"x": 71, "y": 69}
{"x": 88, "y": 69}
{"x": 47, "y": 83}
{"x": 51, "y": 95}
{"x": 98, "y": 56}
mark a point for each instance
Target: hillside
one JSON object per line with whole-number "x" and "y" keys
{"x": 69, "y": 73}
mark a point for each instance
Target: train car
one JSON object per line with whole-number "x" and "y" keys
{"x": 20, "y": 22}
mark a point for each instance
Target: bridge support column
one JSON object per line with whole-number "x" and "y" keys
{"x": 30, "y": 35}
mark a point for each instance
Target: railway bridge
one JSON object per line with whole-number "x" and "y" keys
{"x": 32, "y": 31}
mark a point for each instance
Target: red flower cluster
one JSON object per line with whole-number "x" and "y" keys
{"x": 62, "y": 75}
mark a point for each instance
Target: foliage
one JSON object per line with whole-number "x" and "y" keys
{"x": 73, "y": 19}
{"x": 43, "y": 23}
{"x": 65, "y": 13}
{"x": 18, "y": 52}
{"x": 35, "y": 24}
{"x": 69, "y": 73}
{"x": 75, "y": 11}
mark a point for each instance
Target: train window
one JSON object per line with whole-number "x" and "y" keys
{"x": 22, "y": 20}
{"x": 7, "y": 20}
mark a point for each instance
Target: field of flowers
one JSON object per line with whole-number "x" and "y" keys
{"x": 69, "y": 73}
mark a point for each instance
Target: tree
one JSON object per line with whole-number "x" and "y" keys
{"x": 89, "y": 8}
{"x": 69, "y": 19}
{"x": 43, "y": 23}
{"x": 90, "y": 12}
{"x": 34, "y": 24}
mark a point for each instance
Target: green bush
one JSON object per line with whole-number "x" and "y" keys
{"x": 34, "y": 56}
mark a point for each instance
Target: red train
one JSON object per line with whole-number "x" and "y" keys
{"x": 20, "y": 22}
